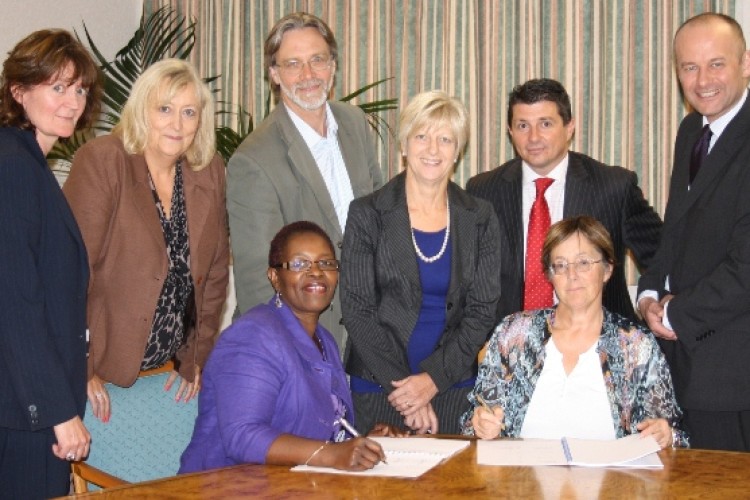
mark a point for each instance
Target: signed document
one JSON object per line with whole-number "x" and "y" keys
{"x": 406, "y": 457}
{"x": 634, "y": 451}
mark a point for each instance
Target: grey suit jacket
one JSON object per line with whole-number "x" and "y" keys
{"x": 382, "y": 296}
{"x": 609, "y": 194}
{"x": 273, "y": 180}
{"x": 705, "y": 251}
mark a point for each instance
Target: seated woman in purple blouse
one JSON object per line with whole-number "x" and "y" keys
{"x": 274, "y": 390}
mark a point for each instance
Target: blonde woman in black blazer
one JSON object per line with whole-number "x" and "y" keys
{"x": 419, "y": 284}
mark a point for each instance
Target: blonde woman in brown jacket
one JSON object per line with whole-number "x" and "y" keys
{"x": 150, "y": 202}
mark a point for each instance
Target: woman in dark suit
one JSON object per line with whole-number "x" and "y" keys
{"x": 419, "y": 287}
{"x": 50, "y": 88}
{"x": 150, "y": 200}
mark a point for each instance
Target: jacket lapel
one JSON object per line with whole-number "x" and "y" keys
{"x": 463, "y": 244}
{"x": 197, "y": 204}
{"x": 578, "y": 191}
{"x": 396, "y": 235}
{"x": 301, "y": 159}
{"x": 510, "y": 192}
{"x": 143, "y": 198}
{"x": 715, "y": 164}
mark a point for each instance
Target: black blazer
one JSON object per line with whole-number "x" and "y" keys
{"x": 705, "y": 251}
{"x": 43, "y": 280}
{"x": 381, "y": 293}
{"x": 609, "y": 194}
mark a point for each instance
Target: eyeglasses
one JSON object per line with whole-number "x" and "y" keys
{"x": 580, "y": 265}
{"x": 293, "y": 67}
{"x": 302, "y": 265}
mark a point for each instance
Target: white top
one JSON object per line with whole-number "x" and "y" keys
{"x": 574, "y": 405}
{"x": 330, "y": 162}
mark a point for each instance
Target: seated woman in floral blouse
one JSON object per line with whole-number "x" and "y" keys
{"x": 575, "y": 369}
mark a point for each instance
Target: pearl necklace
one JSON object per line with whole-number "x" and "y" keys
{"x": 423, "y": 257}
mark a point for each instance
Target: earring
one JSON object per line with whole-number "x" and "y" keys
{"x": 277, "y": 300}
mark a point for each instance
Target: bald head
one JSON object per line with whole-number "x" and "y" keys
{"x": 719, "y": 22}
{"x": 712, "y": 63}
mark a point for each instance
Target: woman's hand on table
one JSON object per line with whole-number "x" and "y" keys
{"x": 99, "y": 399}
{"x": 659, "y": 429}
{"x": 355, "y": 454}
{"x": 488, "y": 423}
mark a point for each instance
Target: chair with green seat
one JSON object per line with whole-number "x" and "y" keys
{"x": 143, "y": 440}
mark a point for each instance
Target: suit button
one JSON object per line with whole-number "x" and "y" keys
{"x": 449, "y": 306}
{"x": 340, "y": 244}
{"x": 341, "y": 321}
{"x": 32, "y": 408}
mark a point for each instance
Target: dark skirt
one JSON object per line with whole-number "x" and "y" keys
{"x": 371, "y": 408}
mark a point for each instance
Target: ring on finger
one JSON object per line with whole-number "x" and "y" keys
{"x": 99, "y": 395}
{"x": 70, "y": 456}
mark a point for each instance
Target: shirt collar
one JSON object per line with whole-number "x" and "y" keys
{"x": 558, "y": 173}
{"x": 309, "y": 135}
{"x": 718, "y": 125}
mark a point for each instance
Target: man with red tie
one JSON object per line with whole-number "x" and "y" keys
{"x": 548, "y": 183}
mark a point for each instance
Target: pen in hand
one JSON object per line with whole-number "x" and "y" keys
{"x": 484, "y": 404}
{"x": 351, "y": 430}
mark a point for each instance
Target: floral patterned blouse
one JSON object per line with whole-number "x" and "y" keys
{"x": 636, "y": 375}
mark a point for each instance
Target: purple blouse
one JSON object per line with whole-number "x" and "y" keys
{"x": 264, "y": 378}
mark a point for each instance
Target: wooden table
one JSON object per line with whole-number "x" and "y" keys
{"x": 686, "y": 474}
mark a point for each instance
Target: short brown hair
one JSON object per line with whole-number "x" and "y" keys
{"x": 295, "y": 21}
{"x": 38, "y": 59}
{"x": 588, "y": 227}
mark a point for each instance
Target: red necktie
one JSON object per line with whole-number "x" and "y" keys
{"x": 537, "y": 291}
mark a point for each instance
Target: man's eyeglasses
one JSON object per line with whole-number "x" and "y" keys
{"x": 580, "y": 265}
{"x": 293, "y": 67}
{"x": 301, "y": 265}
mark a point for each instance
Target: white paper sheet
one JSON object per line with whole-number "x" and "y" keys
{"x": 406, "y": 457}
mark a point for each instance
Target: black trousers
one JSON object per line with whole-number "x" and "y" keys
{"x": 718, "y": 430}
{"x": 371, "y": 408}
{"x": 28, "y": 469}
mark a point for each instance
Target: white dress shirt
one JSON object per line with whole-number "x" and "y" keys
{"x": 330, "y": 162}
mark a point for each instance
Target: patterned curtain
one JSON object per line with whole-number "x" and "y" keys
{"x": 613, "y": 56}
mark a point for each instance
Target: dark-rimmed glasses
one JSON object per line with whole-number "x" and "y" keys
{"x": 302, "y": 265}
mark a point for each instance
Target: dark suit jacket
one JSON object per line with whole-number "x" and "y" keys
{"x": 381, "y": 293}
{"x": 705, "y": 251}
{"x": 43, "y": 278}
{"x": 609, "y": 194}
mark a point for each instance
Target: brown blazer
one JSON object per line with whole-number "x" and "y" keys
{"x": 109, "y": 193}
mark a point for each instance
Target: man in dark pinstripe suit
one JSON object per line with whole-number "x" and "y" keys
{"x": 541, "y": 127}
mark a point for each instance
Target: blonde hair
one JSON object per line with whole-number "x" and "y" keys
{"x": 173, "y": 75}
{"x": 434, "y": 109}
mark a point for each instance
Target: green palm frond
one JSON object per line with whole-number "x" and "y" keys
{"x": 372, "y": 108}
{"x": 161, "y": 35}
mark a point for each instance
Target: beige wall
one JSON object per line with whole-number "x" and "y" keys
{"x": 111, "y": 23}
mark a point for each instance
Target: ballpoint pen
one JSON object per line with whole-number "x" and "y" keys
{"x": 351, "y": 430}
